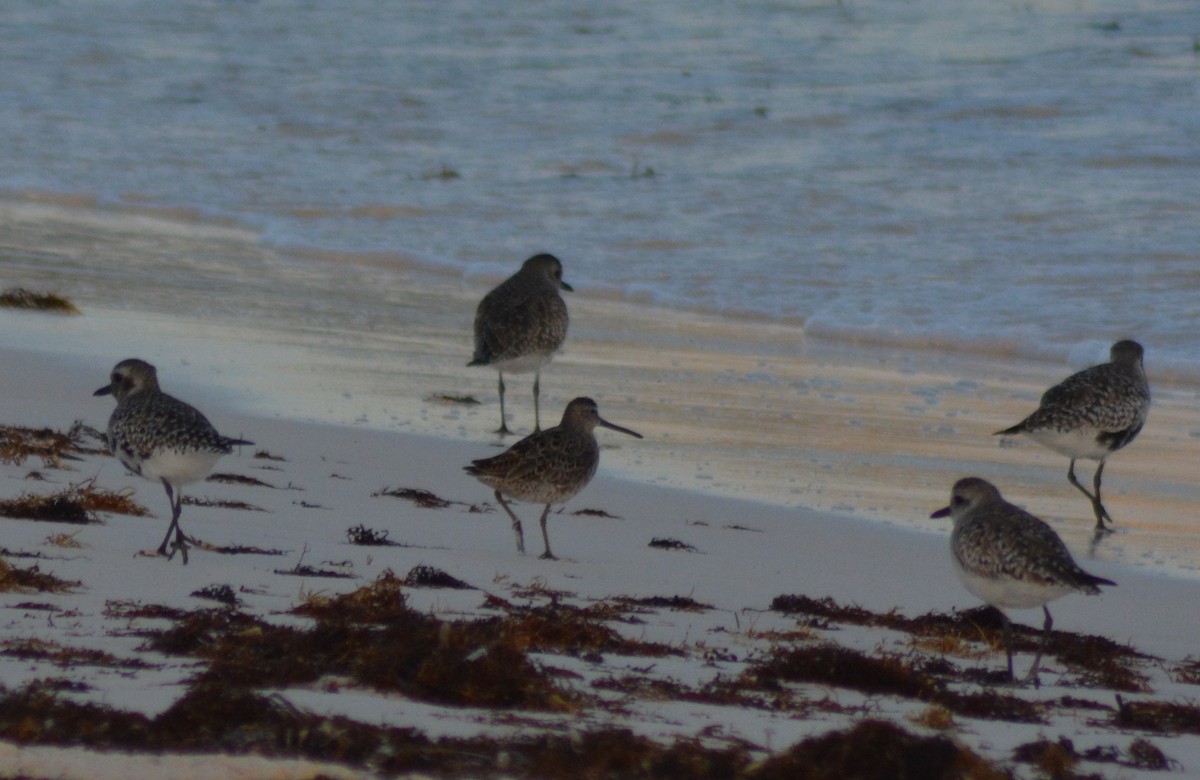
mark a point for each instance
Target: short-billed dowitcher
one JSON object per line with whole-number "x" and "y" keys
{"x": 1009, "y": 558}
{"x": 548, "y": 467}
{"x": 521, "y": 324}
{"x": 159, "y": 437}
{"x": 1092, "y": 414}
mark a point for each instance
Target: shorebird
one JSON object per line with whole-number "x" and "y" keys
{"x": 1011, "y": 559}
{"x": 548, "y": 467}
{"x": 159, "y": 437}
{"x": 1092, "y": 414}
{"x": 521, "y": 324}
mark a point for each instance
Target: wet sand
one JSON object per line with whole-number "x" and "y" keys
{"x": 737, "y": 408}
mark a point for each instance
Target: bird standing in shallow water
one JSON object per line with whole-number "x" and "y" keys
{"x": 1009, "y": 558}
{"x": 159, "y": 437}
{"x": 1092, "y": 414}
{"x": 548, "y": 467}
{"x": 521, "y": 324}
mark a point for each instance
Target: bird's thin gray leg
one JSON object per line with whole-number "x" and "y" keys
{"x": 537, "y": 391}
{"x": 1074, "y": 481}
{"x": 1008, "y": 644}
{"x": 503, "y": 425}
{"x": 181, "y": 541}
{"x": 1037, "y": 659}
{"x": 162, "y": 548}
{"x": 180, "y": 544}
{"x": 1097, "y": 507}
{"x": 545, "y": 536}
{"x": 520, "y": 534}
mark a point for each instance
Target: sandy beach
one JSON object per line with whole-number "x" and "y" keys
{"x": 775, "y": 466}
{"x": 820, "y": 253}
{"x": 738, "y": 408}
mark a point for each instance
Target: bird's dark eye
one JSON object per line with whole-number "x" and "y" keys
{"x": 958, "y": 501}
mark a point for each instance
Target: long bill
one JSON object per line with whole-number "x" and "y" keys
{"x": 612, "y": 427}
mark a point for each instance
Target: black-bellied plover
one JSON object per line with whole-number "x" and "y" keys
{"x": 548, "y": 467}
{"x": 1092, "y": 414}
{"x": 1009, "y": 558}
{"x": 521, "y": 324}
{"x": 161, "y": 438}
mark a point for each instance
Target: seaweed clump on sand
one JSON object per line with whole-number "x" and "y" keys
{"x": 619, "y": 753}
{"x": 1059, "y": 758}
{"x": 214, "y": 718}
{"x": 79, "y": 503}
{"x": 373, "y": 638}
{"x": 209, "y": 718}
{"x": 877, "y": 750}
{"x": 21, "y": 298}
{"x": 18, "y": 443}
{"x": 423, "y": 576}
{"x": 1095, "y": 662}
{"x": 224, "y": 594}
{"x": 680, "y": 603}
{"x": 14, "y": 578}
{"x": 221, "y": 503}
{"x": 1160, "y": 717}
{"x": 66, "y": 657}
{"x": 660, "y": 543}
{"x": 422, "y": 498}
{"x": 238, "y": 479}
{"x": 885, "y": 674}
{"x": 363, "y": 536}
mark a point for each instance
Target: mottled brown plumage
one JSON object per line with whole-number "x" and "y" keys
{"x": 521, "y": 324}
{"x": 159, "y": 437}
{"x": 1009, "y": 558}
{"x": 1092, "y": 414}
{"x": 548, "y": 467}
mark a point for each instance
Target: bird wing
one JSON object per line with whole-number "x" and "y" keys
{"x": 504, "y": 323}
{"x": 1017, "y": 545}
{"x": 162, "y": 419}
{"x": 1100, "y": 396}
{"x": 517, "y": 462}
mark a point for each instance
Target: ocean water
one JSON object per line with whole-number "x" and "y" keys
{"x": 979, "y": 175}
{"x": 292, "y": 208}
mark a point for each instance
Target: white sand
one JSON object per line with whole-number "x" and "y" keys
{"x": 881, "y": 435}
{"x": 792, "y": 466}
{"x": 734, "y": 408}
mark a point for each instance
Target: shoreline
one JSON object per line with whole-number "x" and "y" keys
{"x": 357, "y": 460}
{"x": 744, "y": 409}
{"x": 875, "y": 435}
{"x": 69, "y": 227}
{"x": 738, "y": 557}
